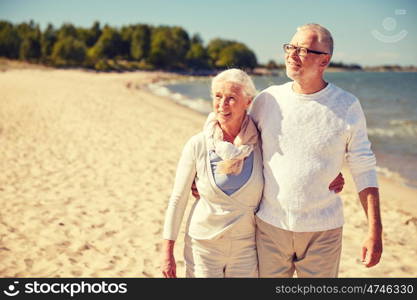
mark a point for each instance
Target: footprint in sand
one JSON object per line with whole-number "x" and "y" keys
{"x": 29, "y": 263}
{"x": 146, "y": 274}
{"x": 77, "y": 273}
{"x": 147, "y": 262}
{"x": 158, "y": 247}
{"x": 180, "y": 263}
{"x": 72, "y": 261}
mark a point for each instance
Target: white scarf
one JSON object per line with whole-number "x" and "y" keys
{"x": 232, "y": 155}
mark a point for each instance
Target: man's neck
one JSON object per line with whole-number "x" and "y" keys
{"x": 309, "y": 86}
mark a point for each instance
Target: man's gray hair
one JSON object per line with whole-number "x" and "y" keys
{"x": 324, "y": 35}
{"x": 236, "y": 76}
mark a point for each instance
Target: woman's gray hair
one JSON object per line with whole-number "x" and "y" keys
{"x": 236, "y": 76}
{"x": 324, "y": 35}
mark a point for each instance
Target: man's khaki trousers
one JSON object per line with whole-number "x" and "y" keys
{"x": 310, "y": 254}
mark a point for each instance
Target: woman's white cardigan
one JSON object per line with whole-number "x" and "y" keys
{"x": 215, "y": 213}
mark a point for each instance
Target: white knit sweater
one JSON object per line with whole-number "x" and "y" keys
{"x": 305, "y": 139}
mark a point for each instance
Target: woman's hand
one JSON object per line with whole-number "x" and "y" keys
{"x": 168, "y": 266}
{"x": 337, "y": 184}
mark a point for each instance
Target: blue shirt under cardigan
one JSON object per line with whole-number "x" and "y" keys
{"x": 231, "y": 183}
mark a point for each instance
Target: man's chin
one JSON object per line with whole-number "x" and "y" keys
{"x": 291, "y": 74}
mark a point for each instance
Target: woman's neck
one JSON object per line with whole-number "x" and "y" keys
{"x": 230, "y": 133}
{"x": 228, "y": 137}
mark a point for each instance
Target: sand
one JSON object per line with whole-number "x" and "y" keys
{"x": 87, "y": 164}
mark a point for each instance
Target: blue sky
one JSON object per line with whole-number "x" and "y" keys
{"x": 365, "y": 32}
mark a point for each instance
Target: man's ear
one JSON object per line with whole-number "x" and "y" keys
{"x": 325, "y": 61}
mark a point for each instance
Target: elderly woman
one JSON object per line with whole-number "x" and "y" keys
{"x": 225, "y": 161}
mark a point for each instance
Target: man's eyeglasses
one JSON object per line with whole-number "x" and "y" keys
{"x": 301, "y": 51}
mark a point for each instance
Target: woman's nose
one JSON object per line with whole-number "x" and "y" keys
{"x": 223, "y": 102}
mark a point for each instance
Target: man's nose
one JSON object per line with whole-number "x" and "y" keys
{"x": 293, "y": 54}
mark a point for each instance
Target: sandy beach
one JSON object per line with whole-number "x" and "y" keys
{"x": 87, "y": 164}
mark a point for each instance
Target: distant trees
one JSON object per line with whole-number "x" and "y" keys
{"x": 169, "y": 46}
{"x": 132, "y": 46}
{"x": 30, "y": 49}
{"x": 108, "y": 45}
{"x": 214, "y": 48}
{"x": 140, "y": 42}
{"x": 48, "y": 39}
{"x": 197, "y": 56}
{"x": 236, "y": 55}
{"x": 10, "y": 40}
{"x": 90, "y": 36}
{"x": 345, "y": 66}
{"x": 226, "y": 54}
{"x": 69, "y": 52}
{"x": 272, "y": 65}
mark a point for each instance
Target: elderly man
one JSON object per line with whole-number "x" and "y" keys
{"x": 308, "y": 127}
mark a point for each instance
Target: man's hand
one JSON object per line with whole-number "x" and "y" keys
{"x": 194, "y": 191}
{"x": 337, "y": 184}
{"x": 372, "y": 247}
{"x": 371, "y": 251}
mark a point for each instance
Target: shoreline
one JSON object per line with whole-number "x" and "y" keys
{"x": 7, "y": 64}
{"x": 89, "y": 160}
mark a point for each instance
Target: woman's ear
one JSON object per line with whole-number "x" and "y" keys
{"x": 249, "y": 101}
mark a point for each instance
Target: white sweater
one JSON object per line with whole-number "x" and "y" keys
{"x": 305, "y": 139}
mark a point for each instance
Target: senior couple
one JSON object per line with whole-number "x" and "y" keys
{"x": 268, "y": 180}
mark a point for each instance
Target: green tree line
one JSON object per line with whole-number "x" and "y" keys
{"x": 138, "y": 46}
